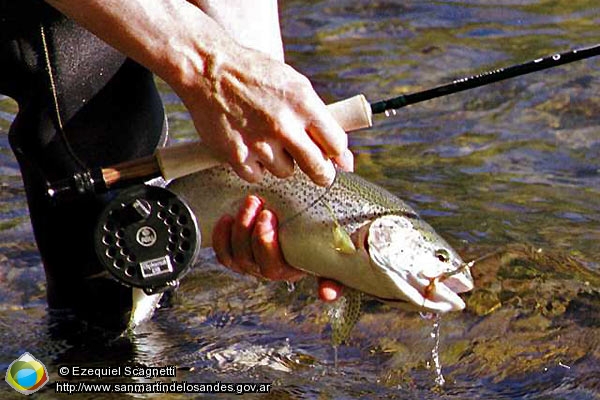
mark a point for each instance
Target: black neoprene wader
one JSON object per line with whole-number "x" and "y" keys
{"x": 81, "y": 104}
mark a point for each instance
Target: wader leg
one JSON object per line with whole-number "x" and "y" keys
{"x": 103, "y": 109}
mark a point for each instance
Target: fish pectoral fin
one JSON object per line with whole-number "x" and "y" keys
{"x": 342, "y": 242}
{"x": 343, "y": 315}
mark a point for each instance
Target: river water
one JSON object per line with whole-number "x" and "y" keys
{"x": 512, "y": 168}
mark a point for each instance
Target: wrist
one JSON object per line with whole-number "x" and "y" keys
{"x": 190, "y": 50}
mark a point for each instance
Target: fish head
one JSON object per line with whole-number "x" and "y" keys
{"x": 425, "y": 269}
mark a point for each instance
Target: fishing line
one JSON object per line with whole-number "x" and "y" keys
{"x": 313, "y": 203}
{"x": 469, "y": 264}
{"x": 54, "y": 91}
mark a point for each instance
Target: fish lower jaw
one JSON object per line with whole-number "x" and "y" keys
{"x": 443, "y": 307}
{"x": 426, "y": 305}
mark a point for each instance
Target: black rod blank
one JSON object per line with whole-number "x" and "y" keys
{"x": 485, "y": 78}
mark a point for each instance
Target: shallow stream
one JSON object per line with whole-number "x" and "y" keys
{"x": 513, "y": 167}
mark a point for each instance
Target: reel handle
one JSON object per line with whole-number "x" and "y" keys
{"x": 183, "y": 159}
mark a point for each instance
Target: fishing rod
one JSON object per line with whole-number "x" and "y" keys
{"x": 485, "y": 78}
{"x": 352, "y": 114}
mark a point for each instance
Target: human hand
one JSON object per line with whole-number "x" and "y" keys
{"x": 264, "y": 114}
{"x": 249, "y": 244}
{"x": 257, "y": 113}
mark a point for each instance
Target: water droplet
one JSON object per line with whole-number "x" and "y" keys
{"x": 563, "y": 365}
{"x": 291, "y": 286}
{"x": 427, "y": 315}
{"x": 335, "y": 357}
{"x": 435, "y": 351}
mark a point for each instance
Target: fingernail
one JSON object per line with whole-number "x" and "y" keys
{"x": 329, "y": 174}
{"x": 253, "y": 201}
{"x": 265, "y": 227}
{"x": 250, "y": 174}
{"x": 346, "y": 161}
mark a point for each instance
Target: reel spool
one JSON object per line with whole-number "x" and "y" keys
{"x": 147, "y": 237}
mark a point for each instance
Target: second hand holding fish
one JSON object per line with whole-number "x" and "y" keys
{"x": 255, "y": 249}
{"x": 249, "y": 243}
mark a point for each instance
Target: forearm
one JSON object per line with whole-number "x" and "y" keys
{"x": 172, "y": 38}
{"x": 252, "y": 23}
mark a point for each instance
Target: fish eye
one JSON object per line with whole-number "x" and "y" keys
{"x": 442, "y": 255}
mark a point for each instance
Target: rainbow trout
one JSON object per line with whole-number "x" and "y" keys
{"x": 353, "y": 232}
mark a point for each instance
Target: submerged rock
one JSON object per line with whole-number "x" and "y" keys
{"x": 532, "y": 310}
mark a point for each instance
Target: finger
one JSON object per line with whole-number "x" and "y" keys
{"x": 251, "y": 170}
{"x": 221, "y": 241}
{"x": 267, "y": 252}
{"x": 345, "y": 161}
{"x": 275, "y": 159}
{"x": 326, "y": 132}
{"x": 323, "y": 129}
{"x": 320, "y": 170}
{"x": 241, "y": 233}
{"x": 309, "y": 157}
{"x": 234, "y": 151}
{"x": 329, "y": 290}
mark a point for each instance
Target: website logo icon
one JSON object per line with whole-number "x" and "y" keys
{"x": 26, "y": 374}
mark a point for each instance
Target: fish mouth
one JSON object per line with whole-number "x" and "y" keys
{"x": 459, "y": 280}
{"x": 439, "y": 294}
{"x": 443, "y": 291}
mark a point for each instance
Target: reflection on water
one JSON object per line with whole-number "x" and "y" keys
{"x": 514, "y": 166}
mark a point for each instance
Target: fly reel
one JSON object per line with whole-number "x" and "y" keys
{"x": 147, "y": 237}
